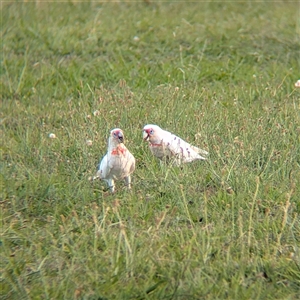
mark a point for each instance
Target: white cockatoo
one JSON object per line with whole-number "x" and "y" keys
{"x": 169, "y": 147}
{"x": 118, "y": 163}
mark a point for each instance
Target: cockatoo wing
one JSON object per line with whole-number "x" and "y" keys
{"x": 200, "y": 151}
{"x": 181, "y": 149}
{"x": 131, "y": 162}
{"x": 104, "y": 168}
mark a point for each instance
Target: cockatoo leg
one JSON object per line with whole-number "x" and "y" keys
{"x": 111, "y": 184}
{"x": 128, "y": 181}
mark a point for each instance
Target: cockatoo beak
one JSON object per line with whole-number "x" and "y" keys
{"x": 145, "y": 135}
{"x": 120, "y": 137}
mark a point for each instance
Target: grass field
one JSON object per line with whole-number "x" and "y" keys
{"x": 221, "y": 76}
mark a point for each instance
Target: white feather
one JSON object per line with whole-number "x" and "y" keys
{"x": 169, "y": 147}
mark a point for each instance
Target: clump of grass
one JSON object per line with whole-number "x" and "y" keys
{"x": 220, "y": 76}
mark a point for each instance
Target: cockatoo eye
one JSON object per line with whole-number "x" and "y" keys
{"x": 151, "y": 131}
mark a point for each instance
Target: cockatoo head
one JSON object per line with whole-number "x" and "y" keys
{"x": 152, "y": 133}
{"x": 116, "y": 137}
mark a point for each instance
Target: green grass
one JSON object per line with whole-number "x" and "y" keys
{"x": 219, "y": 75}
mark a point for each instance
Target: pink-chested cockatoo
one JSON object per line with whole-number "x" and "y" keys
{"x": 118, "y": 163}
{"x": 170, "y": 148}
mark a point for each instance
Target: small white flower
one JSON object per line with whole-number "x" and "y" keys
{"x": 136, "y": 38}
{"x": 176, "y": 89}
{"x": 96, "y": 113}
{"x": 297, "y": 84}
{"x": 52, "y": 136}
{"x": 89, "y": 142}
